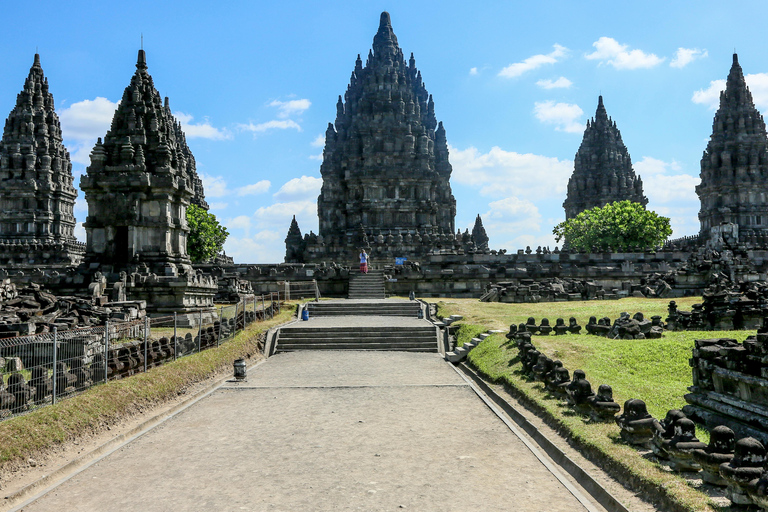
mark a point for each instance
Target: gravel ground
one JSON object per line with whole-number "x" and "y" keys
{"x": 325, "y": 431}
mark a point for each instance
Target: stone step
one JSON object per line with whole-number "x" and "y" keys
{"x": 280, "y": 349}
{"x": 321, "y": 342}
{"x": 361, "y": 307}
{"x": 351, "y": 337}
{"x": 323, "y": 314}
{"x": 311, "y": 331}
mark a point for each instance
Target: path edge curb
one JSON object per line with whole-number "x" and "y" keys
{"x": 586, "y": 481}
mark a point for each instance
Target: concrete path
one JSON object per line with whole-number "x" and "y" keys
{"x": 337, "y": 431}
{"x": 319, "y": 322}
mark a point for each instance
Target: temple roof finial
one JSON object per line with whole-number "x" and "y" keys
{"x": 385, "y": 20}
{"x": 141, "y": 62}
{"x": 37, "y": 59}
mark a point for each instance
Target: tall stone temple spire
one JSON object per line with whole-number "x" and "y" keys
{"x": 139, "y": 184}
{"x": 385, "y": 164}
{"x": 602, "y": 171}
{"x": 37, "y": 195}
{"x": 734, "y": 167}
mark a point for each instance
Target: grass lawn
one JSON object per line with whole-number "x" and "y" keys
{"x": 655, "y": 371}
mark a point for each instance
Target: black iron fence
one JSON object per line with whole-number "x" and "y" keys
{"x": 41, "y": 369}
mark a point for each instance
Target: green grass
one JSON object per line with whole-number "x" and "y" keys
{"x": 466, "y": 332}
{"x": 40, "y": 431}
{"x": 655, "y": 371}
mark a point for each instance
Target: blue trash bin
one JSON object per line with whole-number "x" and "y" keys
{"x": 305, "y": 314}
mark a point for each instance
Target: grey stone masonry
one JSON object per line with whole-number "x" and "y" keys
{"x": 734, "y": 166}
{"x": 385, "y": 164}
{"x": 139, "y": 184}
{"x": 602, "y": 170}
{"x": 37, "y": 195}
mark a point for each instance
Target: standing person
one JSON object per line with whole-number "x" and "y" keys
{"x": 363, "y": 262}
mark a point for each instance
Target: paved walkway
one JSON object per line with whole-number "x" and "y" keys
{"x": 337, "y": 431}
{"x": 360, "y": 321}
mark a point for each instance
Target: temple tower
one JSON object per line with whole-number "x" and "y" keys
{"x": 37, "y": 195}
{"x": 385, "y": 163}
{"x": 139, "y": 184}
{"x": 602, "y": 171}
{"x": 734, "y": 167}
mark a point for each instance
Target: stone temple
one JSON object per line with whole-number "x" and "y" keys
{"x": 385, "y": 165}
{"x": 602, "y": 171}
{"x": 734, "y": 167}
{"x": 141, "y": 179}
{"x": 139, "y": 183}
{"x": 37, "y": 196}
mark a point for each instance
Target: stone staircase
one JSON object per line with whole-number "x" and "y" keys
{"x": 366, "y": 286}
{"x": 363, "y": 308}
{"x": 363, "y": 324}
{"x": 404, "y": 339}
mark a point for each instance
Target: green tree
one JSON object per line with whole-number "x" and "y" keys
{"x": 622, "y": 226}
{"x": 206, "y": 236}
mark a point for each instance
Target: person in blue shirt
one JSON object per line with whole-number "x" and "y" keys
{"x": 363, "y": 261}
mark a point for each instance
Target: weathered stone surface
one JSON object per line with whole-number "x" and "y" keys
{"x": 385, "y": 164}
{"x": 37, "y": 195}
{"x": 602, "y": 171}
{"x": 141, "y": 179}
{"x": 734, "y": 166}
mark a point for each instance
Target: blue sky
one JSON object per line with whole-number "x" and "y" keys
{"x": 255, "y": 84}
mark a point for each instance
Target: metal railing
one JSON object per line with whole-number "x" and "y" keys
{"x": 40, "y": 369}
{"x": 293, "y": 290}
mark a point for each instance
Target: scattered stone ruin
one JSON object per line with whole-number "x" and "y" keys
{"x": 32, "y": 310}
{"x": 602, "y": 171}
{"x": 729, "y": 383}
{"x": 727, "y": 308}
{"x": 545, "y": 290}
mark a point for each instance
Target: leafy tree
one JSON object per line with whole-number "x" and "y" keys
{"x": 622, "y": 226}
{"x": 206, "y": 236}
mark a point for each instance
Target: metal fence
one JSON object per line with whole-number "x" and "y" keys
{"x": 41, "y": 369}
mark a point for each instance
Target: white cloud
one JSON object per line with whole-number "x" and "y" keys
{"x": 80, "y": 232}
{"x": 472, "y": 71}
{"x": 671, "y": 193}
{"x": 202, "y": 130}
{"x": 319, "y": 141}
{"x": 87, "y": 119}
{"x": 240, "y": 222}
{"x": 501, "y": 173}
{"x": 533, "y": 62}
{"x": 218, "y": 206}
{"x": 563, "y": 115}
{"x": 262, "y": 247}
{"x": 286, "y": 210}
{"x": 560, "y": 83}
{"x": 671, "y": 189}
{"x": 649, "y": 165}
{"x": 664, "y": 183}
{"x": 255, "y": 188}
{"x": 270, "y": 125}
{"x": 609, "y": 51}
{"x": 757, "y": 83}
{"x": 316, "y": 157}
{"x": 289, "y": 108}
{"x": 214, "y": 186}
{"x": 300, "y": 189}
{"x": 685, "y": 56}
{"x": 82, "y": 123}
